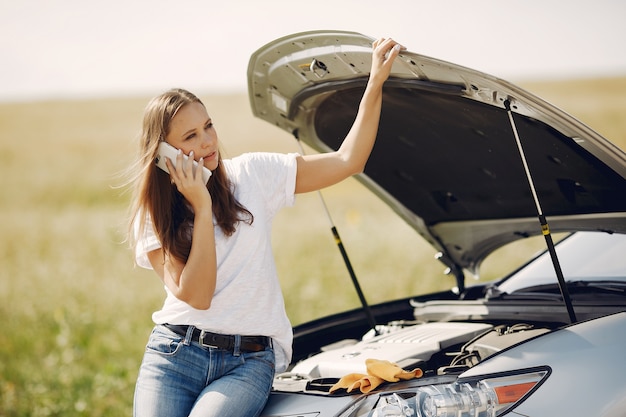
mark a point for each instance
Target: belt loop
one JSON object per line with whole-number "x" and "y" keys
{"x": 237, "y": 347}
{"x": 189, "y": 335}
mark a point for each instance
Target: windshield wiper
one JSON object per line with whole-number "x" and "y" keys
{"x": 614, "y": 287}
{"x": 545, "y": 229}
{"x": 607, "y": 286}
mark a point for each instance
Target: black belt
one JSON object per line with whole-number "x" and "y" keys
{"x": 222, "y": 341}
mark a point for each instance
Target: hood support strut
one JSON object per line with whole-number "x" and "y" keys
{"x": 357, "y": 286}
{"x": 545, "y": 228}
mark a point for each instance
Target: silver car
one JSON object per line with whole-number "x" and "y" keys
{"x": 471, "y": 163}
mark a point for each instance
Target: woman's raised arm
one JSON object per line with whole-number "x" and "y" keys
{"x": 322, "y": 170}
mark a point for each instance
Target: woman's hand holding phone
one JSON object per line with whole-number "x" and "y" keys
{"x": 185, "y": 175}
{"x": 168, "y": 151}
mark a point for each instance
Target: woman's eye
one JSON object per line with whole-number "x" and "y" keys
{"x": 190, "y": 136}
{"x": 209, "y": 126}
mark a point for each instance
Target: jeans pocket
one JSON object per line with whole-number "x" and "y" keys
{"x": 263, "y": 359}
{"x": 164, "y": 344}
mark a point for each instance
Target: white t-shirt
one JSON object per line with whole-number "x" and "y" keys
{"x": 248, "y": 299}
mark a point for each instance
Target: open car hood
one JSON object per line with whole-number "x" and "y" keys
{"x": 446, "y": 158}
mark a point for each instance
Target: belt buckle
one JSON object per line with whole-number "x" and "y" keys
{"x": 202, "y": 333}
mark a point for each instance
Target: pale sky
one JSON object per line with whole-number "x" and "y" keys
{"x": 76, "y": 48}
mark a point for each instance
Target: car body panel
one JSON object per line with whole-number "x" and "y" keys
{"x": 583, "y": 350}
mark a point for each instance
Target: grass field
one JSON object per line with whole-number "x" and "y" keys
{"x": 76, "y": 312}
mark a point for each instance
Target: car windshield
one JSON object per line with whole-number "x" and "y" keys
{"x": 585, "y": 256}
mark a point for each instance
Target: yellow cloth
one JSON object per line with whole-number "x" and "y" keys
{"x": 378, "y": 371}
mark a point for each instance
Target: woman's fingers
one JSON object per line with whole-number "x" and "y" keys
{"x": 180, "y": 164}
{"x": 188, "y": 166}
{"x": 171, "y": 169}
{"x": 385, "y": 50}
{"x": 184, "y": 166}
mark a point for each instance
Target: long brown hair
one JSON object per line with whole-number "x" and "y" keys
{"x": 156, "y": 196}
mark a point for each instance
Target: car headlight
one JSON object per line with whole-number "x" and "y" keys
{"x": 486, "y": 396}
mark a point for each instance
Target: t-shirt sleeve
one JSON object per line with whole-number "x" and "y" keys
{"x": 145, "y": 242}
{"x": 290, "y": 170}
{"x": 275, "y": 174}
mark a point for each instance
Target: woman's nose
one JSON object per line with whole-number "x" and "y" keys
{"x": 208, "y": 139}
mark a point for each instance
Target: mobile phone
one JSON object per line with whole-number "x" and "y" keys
{"x": 167, "y": 150}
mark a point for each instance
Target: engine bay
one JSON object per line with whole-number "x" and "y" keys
{"x": 437, "y": 348}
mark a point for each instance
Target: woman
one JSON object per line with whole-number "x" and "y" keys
{"x": 223, "y": 332}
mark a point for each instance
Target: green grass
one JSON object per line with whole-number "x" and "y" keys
{"x": 76, "y": 312}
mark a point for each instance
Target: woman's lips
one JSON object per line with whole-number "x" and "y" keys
{"x": 210, "y": 156}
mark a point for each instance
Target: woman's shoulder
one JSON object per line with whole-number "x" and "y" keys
{"x": 259, "y": 160}
{"x": 270, "y": 175}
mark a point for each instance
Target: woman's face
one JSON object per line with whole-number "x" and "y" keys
{"x": 191, "y": 129}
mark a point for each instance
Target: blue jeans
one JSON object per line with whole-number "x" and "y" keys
{"x": 179, "y": 377}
